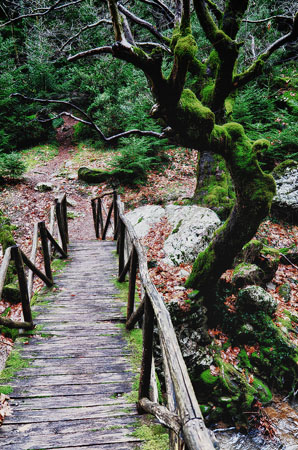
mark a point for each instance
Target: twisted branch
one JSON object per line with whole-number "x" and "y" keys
{"x": 89, "y": 121}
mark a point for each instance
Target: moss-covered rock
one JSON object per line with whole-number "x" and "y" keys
{"x": 11, "y": 293}
{"x": 247, "y": 274}
{"x": 255, "y": 298}
{"x": 285, "y": 291}
{"x": 95, "y": 175}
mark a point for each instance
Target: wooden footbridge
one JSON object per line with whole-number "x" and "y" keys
{"x": 71, "y": 394}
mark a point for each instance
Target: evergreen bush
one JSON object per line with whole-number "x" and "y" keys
{"x": 11, "y": 165}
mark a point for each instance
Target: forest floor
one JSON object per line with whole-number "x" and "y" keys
{"x": 25, "y": 205}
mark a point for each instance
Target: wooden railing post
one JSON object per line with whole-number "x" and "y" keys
{"x": 145, "y": 375}
{"x": 115, "y": 214}
{"x": 107, "y": 222}
{"x": 94, "y": 204}
{"x": 64, "y": 215}
{"x": 121, "y": 247}
{"x": 45, "y": 249}
{"x": 132, "y": 282}
{"x": 17, "y": 257}
{"x": 61, "y": 225}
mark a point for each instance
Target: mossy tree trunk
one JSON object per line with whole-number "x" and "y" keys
{"x": 193, "y": 103}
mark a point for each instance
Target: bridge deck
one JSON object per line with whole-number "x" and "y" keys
{"x": 72, "y": 394}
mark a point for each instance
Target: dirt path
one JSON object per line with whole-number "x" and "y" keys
{"x": 25, "y": 205}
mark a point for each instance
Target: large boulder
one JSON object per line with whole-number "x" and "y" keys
{"x": 144, "y": 218}
{"x": 193, "y": 227}
{"x": 285, "y": 202}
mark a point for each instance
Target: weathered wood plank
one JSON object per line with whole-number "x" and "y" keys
{"x": 69, "y": 413}
{"x": 69, "y": 390}
{"x": 68, "y": 369}
{"x": 58, "y": 380}
{"x": 65, "y": 426}
{"x": 74, "y": 401}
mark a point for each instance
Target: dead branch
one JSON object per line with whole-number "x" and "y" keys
{"x": 267, "y": 19}
{"x": 91, "y": 52}
{"x": 142, "y": 23}
{"x": 54, "y": 7}
{"x": 87, "y": 27}
{"x": 89, "y": 121}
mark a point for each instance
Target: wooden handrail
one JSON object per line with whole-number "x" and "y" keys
{"x": 20, "y": 259}
{"x": 190, "y": 423}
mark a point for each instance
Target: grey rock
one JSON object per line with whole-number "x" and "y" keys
{"x": 44, "y": 186}
{"x": 285, "y": 202}
{"x": 255, "y": 298}
{"x": 245, "y": 274}
{"x": 193, "y": 228}
{"x": 144, "y": 218}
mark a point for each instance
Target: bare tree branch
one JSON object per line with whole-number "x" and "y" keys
{"x": 87, "y": 27}
{"x": 162, "y": 6}
{"x": 256, "y": 68}
{"x": 178, "y": 11}
{"x": 267, "y": 19}
{"x": 54, "y": 7}
{"x": 153, "y": 45}
{"x": 117, "y": 23}
{"x": 253, "y": 46}
{"x": 143, "y": 23}
{"x": 89, "y": 121}
{"x": 91, "y": 52}
{"x": 126, "y": 29}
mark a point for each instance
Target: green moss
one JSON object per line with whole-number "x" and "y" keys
{"x": 207, "y": 378}
{"x": 263, "y": 392}
{"x": 177, "y": 227}
{"x": 261, "y": 145}
{"x": 155, "y": 436}
{"x": 280, "y": 169}
{"x": 6, "y": 390}
{"x": 11, "y": 293}
{"x": 201, "y": 267}
{"x": 213, "y": 61}
{"x": 244, "y": 359}
{"x": 13, "y": 364}
{"x": 139, "y": 52}
{"x": 186, "y": 47}
{"x": 207, "y": 94}
{"x": 205, "y": 409}
{"x": 200, "y": 118}
{"x": 94, "y": 175}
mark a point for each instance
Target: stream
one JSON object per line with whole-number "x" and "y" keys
{"x": 284, "y": 417}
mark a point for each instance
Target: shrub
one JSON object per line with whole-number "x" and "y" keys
{"x": 137, "y": 157}
{"x": 11, "y": 165}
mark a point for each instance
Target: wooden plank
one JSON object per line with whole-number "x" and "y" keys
{"x": 88, "y": 438}
{"x": 75, "y": 401}
{"x": 70, "y": 390}
{"x": 68, "y": 369}
{"x": 69, "y": 413}
{"x": 78, "y": 353}
{"x": 59, "y": 380}
{"x": 65, "y": 426}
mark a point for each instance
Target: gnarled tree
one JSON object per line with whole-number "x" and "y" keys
{"x": 192, "y": 97}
